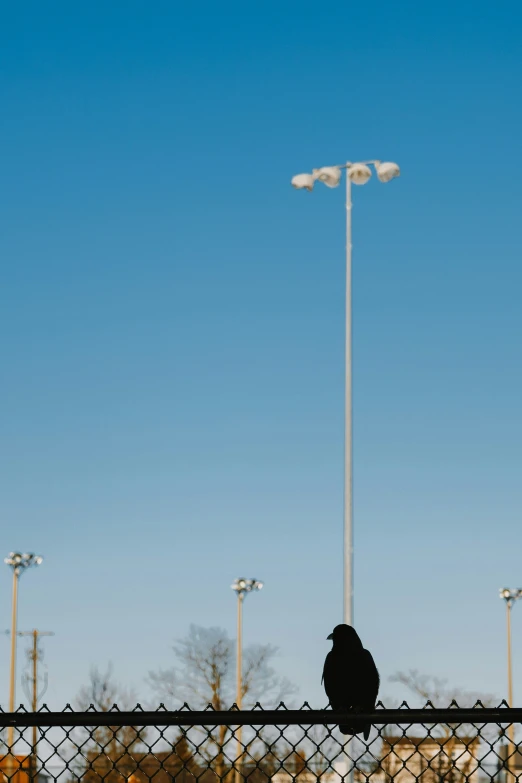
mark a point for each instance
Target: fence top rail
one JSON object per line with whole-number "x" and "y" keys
{"x": 259, "y": 717}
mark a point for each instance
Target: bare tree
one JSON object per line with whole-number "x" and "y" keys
{"x": 106, "y": 753}
{"x": 100, "y": 692}
{"x": 203, "y": 674}
{"x": 437, "y": 691}
{"x": 457, "y": 744}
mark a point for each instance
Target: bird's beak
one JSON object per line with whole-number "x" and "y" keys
{"x": 330, "y": 637}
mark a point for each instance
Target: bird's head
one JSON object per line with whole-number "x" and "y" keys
{"x": 345, "y": 635}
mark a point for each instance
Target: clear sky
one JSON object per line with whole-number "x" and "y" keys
{"x": 172, "y": 330}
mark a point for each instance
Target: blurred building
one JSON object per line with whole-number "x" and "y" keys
{"x": 408, "y": 759}
{"x": 17, "y": 769}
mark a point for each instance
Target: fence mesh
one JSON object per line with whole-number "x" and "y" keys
{"x": 256, "y": 746}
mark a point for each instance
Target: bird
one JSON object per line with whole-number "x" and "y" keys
{"x": 350, "y": 676}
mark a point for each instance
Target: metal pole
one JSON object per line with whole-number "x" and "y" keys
{"x": 348, "y": 473}
{"x": 35, "y": 701}
{"x": 348, "y": 450}
{"x": 12, "y": 679}
{"x": 239, "y": 649}
{"x": 239, "y": 683}
{"x": 511, "y": 728}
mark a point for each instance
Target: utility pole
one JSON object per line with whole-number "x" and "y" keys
{"x": 34, "y": 655}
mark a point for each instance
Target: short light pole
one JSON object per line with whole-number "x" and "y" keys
{"x": 510, "y": 596}
{"x": 19, "y": 563}
{"x": 242, "y": 586}
{"x": 358, "y": 174}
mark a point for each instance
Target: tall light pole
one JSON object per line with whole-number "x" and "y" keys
{"x": 510, "y": 596}
{"x": 242, "y": 586}
{"x": 19, "y": 563}
{"x": 358, "y": 174}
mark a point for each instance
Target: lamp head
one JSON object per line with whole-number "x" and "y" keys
{"x": 359, "y": 173}
{"x": 510, "y": 596}
{"x": 19, "y": 562}
{"x": 303, "y": 182}
{"x": 243, "y": 586}
{"x": 330, "y": 175}
{"x": 387, "y": 171}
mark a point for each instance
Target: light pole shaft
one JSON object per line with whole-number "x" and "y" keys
{"x": 348, "y": 450}
{"x": 35, "y": 702}
{"x": 511, "y": 728}
{"x": 239, "y": 683}
{"x": 12, "y": 678}
{"x": 509, "y": 666}
{"x": 239, "y": 668}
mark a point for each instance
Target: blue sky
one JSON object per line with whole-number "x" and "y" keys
{"x": 172, "y": 330}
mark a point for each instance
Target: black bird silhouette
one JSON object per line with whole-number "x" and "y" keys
{"x": 350, "y": 677}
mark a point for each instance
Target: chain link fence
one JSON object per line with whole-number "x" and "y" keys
{"x": 257, "y": 746}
